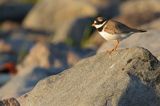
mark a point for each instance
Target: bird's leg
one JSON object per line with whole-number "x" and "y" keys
{"x": 115, "y": 47}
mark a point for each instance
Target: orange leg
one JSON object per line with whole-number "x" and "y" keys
{"x": 117, "y": 44}
{"x": 115, "y": 47}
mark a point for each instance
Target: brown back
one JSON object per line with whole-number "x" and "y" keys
{"x": 114, "y": 27}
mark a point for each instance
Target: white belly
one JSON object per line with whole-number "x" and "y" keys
{"x": 108, "y": 36}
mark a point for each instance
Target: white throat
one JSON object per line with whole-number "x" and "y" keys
{"x": 98, "y": 26}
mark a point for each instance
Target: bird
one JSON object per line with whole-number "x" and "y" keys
{"x": 113, "y": 30}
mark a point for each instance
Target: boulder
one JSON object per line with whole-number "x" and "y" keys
{"x": 128, "y": 77}
{"x": 139, "y": 12}
{"x": 68, "y": 18}
{"x": 149, "y": 40}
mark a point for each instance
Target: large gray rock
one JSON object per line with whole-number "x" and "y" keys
{"x": 149, "y": 40}
{"x": 128, "y": 77}
{"x": 67, "y": 18}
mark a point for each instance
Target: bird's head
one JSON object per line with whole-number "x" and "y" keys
{"x": 98, "y": 22}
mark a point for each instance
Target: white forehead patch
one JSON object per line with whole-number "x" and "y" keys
{"x": 100, "y": 18}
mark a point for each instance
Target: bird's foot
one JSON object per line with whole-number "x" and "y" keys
{"x": 115, "y": 48}
{"x": 110, "y": 51}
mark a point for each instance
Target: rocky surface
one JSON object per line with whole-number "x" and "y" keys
{"x": 128, "y": 77}
{"x": 149, "y": 40}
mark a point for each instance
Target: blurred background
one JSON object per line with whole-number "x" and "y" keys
{"x": 39, "y": 38}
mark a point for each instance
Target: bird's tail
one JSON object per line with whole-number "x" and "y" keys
{"x": 140, "y": 30}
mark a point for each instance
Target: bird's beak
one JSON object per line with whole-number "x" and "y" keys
{"x": 93, "y": 24}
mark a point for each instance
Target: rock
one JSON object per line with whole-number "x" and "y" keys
{"x": 20, "y": 84}
{"x": 5, "y": 47}
{"x": 153, "y": 25}
{"x": 9, "y": 102}
{"x": 43, "y": 60}
{"x": 149, "y": 40}
{"x": 30, "y": 71}
{"x": 145, "y": 11}
{"x": 8, "y": 26}
{"x": 68, "y": 18}
{"x": 35, "y": 19}
{"x": 2, "y": 2}
{"x": 76, "y": 9}
{"x": 128, "y": 77}
{"x": 4, "y": 78}
{"x": 72, "y": 58}
{"x": 14, "y": 11}
{"x": 158, "y": 58}
{"x": 63, "y": 56}
{"x": 38, "y": 57}
{"x": 6, "y": 71}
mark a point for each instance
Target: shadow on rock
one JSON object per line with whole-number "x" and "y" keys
{"x": 138, "y": 94}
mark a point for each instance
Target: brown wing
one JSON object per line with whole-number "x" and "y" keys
{"x": 114, "y": 27}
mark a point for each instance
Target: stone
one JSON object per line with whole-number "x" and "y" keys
{"x": 30, "y": 71}
{"x": 145, "y": 12}
{"x": 153, "y": 25}
{"x": 54, "y": 13}
{"x": 128, "y": 77}
{"x": 68, "y": 18}
{"x": 9, "y": 102}
{"x": 20, "y": 84}
{"x": 38, "y": 56}
{"x": 5, "y": 47}
{"x": 19, "y": 11}
{"x": 42, "y": 60}
{"x": 2, "y": 2}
